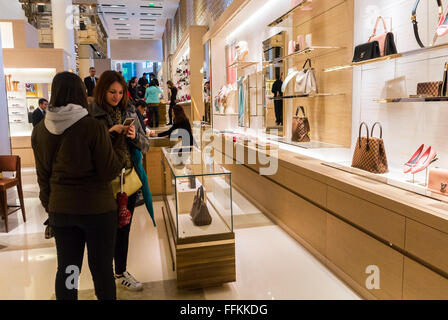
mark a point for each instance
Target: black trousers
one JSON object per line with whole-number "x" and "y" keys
{"x": 153, "y": 116}
{"x": 170, "y": 110}
{"x": 122, "y": 242}
{"x": 72, "y": 233}
{"x": 278, "y": 105}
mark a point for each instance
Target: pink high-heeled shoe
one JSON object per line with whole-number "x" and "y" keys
{"x": 408, "y": 165}
{"x": 428, "y": 157}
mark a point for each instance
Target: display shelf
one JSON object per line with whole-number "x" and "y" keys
{"x": 225, "y": 114}
{"x": 412, "y": 99}
{"x": 389, "y": 57}
{"x": 279, "y": 20}
{"x": 317, "y": 95}
{"x": 300, "y": 52}
{"x": 242, "y": 64}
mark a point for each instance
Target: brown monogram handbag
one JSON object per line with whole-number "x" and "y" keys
{"x": 199, "y": 212}
{"x": 430, "y": 89}
{"x": 370, "y": 154}
{"x": 300, "y": 127}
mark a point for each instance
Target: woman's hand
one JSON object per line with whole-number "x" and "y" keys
{"x": 119, "y": 128}
{"x": 152, "y": 133}
{"x": 131, "y": 132}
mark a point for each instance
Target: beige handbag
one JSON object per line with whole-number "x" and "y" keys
{"x": 438, "y": 181}
{"x": 131, "y": 182}
{"x": 306, "y": 80}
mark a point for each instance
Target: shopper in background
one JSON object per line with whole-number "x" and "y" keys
{"x": 143, "y": 80}
{"x": 207, "y": 99}
{"x": 133, "y": 90}
{"x": 90, "y": 81}
{"x": 39, "y": 113}
{"x": 111, "y": 107}
{"x": 154, "y": 79}
{"x": 278, "y": 104}
{"x": 181, "y": 122}
{"x": 75, "y": 163}
{"x": 152, "y": 98}
{"x": 140, "y": 109}
{"x": 173, "y": 99}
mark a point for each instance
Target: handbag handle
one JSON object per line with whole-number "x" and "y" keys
{"x": 307, "y": 61}
{"x": 300, "y": 108}
{"x": 359, "y": 136}
{"x": 381, "y": 129}
{"x": 380, "y": 18}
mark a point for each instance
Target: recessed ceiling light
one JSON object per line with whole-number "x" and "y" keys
{"x": 147, "y": 19}
{"x": 123, "y": 29}
{"x": 121, "y": 19}
{"x": 147, "y": 25}
{"x": 122, "y": 24}
{"x": 146, "y": 29}
{"x": 113, "y": 5}
{"x": 124, "y": 33}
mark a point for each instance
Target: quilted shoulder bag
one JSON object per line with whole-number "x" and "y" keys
{"x": 306, "y": 80}
{"x": 385, "y": 40}
{"x": 199, "y": 212}
{"x": 430, "y": 89}
{"x": 370, "y": 153}
{"x": 300, "y": 127}
{"x": 438, "y": 181}
{"x": 131, "y": 183}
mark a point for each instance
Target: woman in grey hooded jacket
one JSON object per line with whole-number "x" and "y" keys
{"x": 75, "y": 164}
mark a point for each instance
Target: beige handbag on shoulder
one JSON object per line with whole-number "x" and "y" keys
{"x": 131, "y": 183}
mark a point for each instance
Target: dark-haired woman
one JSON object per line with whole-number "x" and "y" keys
{"x": 181, "y": 126}
{"x": 111, "y": 107}
{"x": 133, "y": 90}
{"x": 75, "y": 164}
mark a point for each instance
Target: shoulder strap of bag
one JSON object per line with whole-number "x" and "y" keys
{"x": 380, "y": 18}
{"x": 300, "y": 108}
{"x": 201, "y": 192}
{"x": 381, "y": 129}
{"x": 307, "y": 61}
{"x": 359, "y": 136}
{"x": 415, "y": 23}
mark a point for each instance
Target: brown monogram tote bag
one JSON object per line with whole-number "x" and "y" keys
{"x": 370, "y": 154}
{"x": 199, "y": 212}
{"x": 300, "y": 127}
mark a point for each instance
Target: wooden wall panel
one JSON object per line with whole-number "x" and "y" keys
{"x": 353, "y": 251}
{"x": 303, "y": 218}
{"x": 388, "y": 225}
{"x": 428, "y": 244}
{"x": 421, "y": 283}
{"x": 331, "y": 24}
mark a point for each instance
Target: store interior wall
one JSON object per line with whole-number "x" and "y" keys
{"x": 11, "y": 10}
{"x": 146, "y": 50}
{"x": 5, "y": 145}
{"x": 250, "y": 25}
{"x": 405, "y": 125}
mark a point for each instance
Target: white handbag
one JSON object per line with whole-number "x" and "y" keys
{"x": 306, "y": 80}
{"x": 291, "y": 74}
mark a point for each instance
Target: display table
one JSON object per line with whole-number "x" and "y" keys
{"x": 353, "y": 224}
{"x": 202, "y": 255}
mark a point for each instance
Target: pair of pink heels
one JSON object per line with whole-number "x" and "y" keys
{"x": 422, "y": 158}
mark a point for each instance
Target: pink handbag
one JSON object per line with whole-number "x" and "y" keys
{"x": 438, "y": 181}
{"x": 380, "y": 38}
{"x": 300, "y": 44}
{"x": 291, "y": 47}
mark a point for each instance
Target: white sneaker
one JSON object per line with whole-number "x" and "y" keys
{"x": 129, "y": 282}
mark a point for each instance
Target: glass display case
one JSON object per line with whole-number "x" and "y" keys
{"x": 207, "y": 245}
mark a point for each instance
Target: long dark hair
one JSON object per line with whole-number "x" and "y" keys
{"x": 68, "y": 88}
{"x": 179, "y": 114}
{"x": 105, "y": 81}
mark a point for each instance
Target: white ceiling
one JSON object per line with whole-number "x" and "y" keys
{"x": 136, "y": 19}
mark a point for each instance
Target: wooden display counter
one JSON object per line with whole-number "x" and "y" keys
{"x": 353, "y": 224}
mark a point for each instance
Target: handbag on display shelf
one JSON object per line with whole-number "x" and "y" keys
{"x": 300, "y": 127}
{"x": 300, "y": 44}
{"x": 291, "y": 47}
{"x": 444, "y": 92}
{"x": 131, "y": 183}
{"x": 306, "y": 80}
{"x": 430, "y": 89}
{"x": 370, "y": 153}
{"x": 385, "y": 40}
{"x": 367, "y": 51}
{"x": 199, "y": 212}
{"x": 438, "y": 181}
{"x": 441, "y": 19}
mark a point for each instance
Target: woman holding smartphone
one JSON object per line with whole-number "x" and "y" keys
{"x": 111, "y": 107}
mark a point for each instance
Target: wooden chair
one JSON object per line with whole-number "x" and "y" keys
{"x": 10, "y": 163}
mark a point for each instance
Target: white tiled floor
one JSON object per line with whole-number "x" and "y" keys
{"x": 270, "y": 264}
